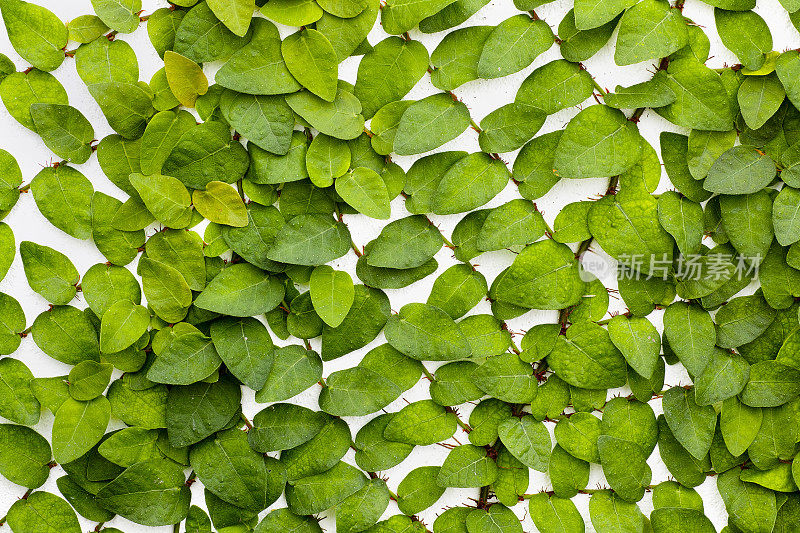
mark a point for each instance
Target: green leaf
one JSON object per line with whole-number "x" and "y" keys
{"x": 599, "y": 141}
{"x": 625, "y": 467}
{"x": 196, "y": 411}
{"x": 545, "y": 275}
{"x": 35, "y": 33}
{"x": 258, "y": 67}
{"x": 20, "y": 90}
{"x": 183, "y": 250}
{"x": 771, "y": 384}
{"x": 285, "y": 520}
{"x": 513, "y": 45}
{"x": 152, "y": 493}
{"x": 373, "y": 451}
{"x": 649, "y": 30}
{"x": 293, "y": 371}
{"x": 504, "y": 376}
{"x": 266, "y": 121}
{"x": 705, "y": 147}
{"x": 185, "y": 77}
{"x": 327, "y": 158}
{"x": 65, "y": 334}
{"x": 122, "y": 325}
{"x": 364, "y": 321}
{"x": 430, "y": 123}
{"x": 86, "y": 28}
{"x": 341, "y": 118}
{"x": 419, "y": 490}
{"x": 593, "y": 13}
{"x": 555, "y": 86}
{"x": 235, "y": 14}
{"x": 64, "y": 195}
{"x": 508, "y": 127}
{"x": 24, "y": 456}
{"x": 311, "y": 59}
{"x": 282, "y": 426}
{"x": 314, "y": 494}
{"x": 740, "y": 170}
{"x": 166, "y": 290}
{"x": 467, "y": 466}
{"x": 89, "y": 379}
{"x": 421, "y": 423}
{"x": 749, "y": 506}
{"x": 332, "y": 293}
{"x": 64, "y": 130}
{"x": 745, "y": 34}
{"x": 786, "y": 216}
{"x": 17, "y": 401}
{"x": 119, "y": 15}
{"x": 786, "y": 70}
{"x": 691, "y": 335}
{"x": 747, "y": 220}
{"x": 759, "y": 99}
{"x": 78, "y": 426}
{"x": 514, "y": 223}
{"x": 225, "y": 292}
{"x": 469, "y": 183}
{"x": 126, "y": 106}
{"x": 495, "y": 519}
{"x": 310, "y": 240}
{"x": 229, "y": 468}
{"x": 724, "y": 377}
{"x": 609, "y": 513}
{"x": 363, "y": 508}
{"x": 189, "y": 357}
{"x": 457, "y": 290}
{"x": 399, "y": 16}
{"x": 292, "y": 12}
{"x": 202, "y": 37}
{"x": 683, "y": 219}
{"x": 49, "y": 272}
{"x": 221, "y": 203}
{"x": 246, "y": 348}
{"x": 692, "y": 424}
{"x": 405, "y": 243}
{"x": 364, "y": 190}
{"x": 552, "y": 514}
{"x": 357, "y": 391}
{"x": 165, "y": 197}
{"x": 388, "y": 72}
{"x": 143, "y": 408}
{"x": 205, "y": 153}
{"x": 587, "y": 358}
{"x": 119, "y": 247}
{"x": 702, "y": 101}
{"x": 655, "y": 92}
{"x": 424, "y": 332}
{"x": 638, "y": 340}
{"x": 527, "y": 440}
{"x": 455, "y": 59}
{"x": 130, "y": 446}
{"x": 10, "y": 182}
{"x": 42, "y": 512}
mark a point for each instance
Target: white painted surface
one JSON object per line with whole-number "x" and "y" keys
{"x": 481, "y": 97}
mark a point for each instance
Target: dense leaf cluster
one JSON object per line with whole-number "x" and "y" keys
{"x": 271, "y": 158}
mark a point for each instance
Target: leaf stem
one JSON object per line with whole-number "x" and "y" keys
{"x": 427, "y": 374}
{"x": 597, "y": 86}
{"x": 475, "y": 125}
